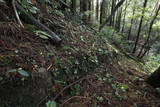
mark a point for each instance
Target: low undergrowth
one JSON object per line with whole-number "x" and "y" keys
{"x": 86, "y": 70}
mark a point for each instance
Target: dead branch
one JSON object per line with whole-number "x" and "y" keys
{"x": 68, "y": 86}
{"x": 53, "y": 37}
{"x": 16, "y": 14}
{"x": 81, "y": 97}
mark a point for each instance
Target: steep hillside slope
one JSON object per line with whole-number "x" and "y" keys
{"x": 85, "y": 71}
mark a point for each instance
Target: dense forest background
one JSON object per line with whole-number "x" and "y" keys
{"x": 84, "y": 53}
{"x": 133, "y": 25}
{"x": 136, "y": 21}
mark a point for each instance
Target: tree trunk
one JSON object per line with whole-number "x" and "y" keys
{"x": 81, "y": 6}
{"x": 97, "y": 9}
{"x": 111, "y": 23}
{"x": 130, "y": 28}
{"x": 90, "y": 10}
{"x": 124, "y": 16}
{"x": 149, "y": 32}
{"x": 154, "y": 79}
{"x": 112, "y": 14}
{"x": 84, "y": 6}
{"x": 103, "y": 11}
{"x": 140, "y": 26}
{"x": 118, "y": 20}
{"x": 73, "y": 6}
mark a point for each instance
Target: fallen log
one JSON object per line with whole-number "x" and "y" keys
{"x": 31, "y": 20}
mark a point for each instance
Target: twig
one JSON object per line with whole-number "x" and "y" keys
{"x": 16, "y": 13}
{"x": 42, "y": 100}
{"x": 68, "y": 86}
{"x": 71, "y": 99}
{"x": 49, "y": 67}
{"x": 89, "y": 26}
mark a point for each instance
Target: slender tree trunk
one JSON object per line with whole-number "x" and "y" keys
{"x": 90, "y": 9}
{"x": 124, "y": 16}
{"x": 84, "y": 6}
{"x": 81, "y": 6}
{"x": 149, "y": 32}
{"x": 140, "y": 26}
{"x": 118, "y": 20}
{"x": 145, "y": 51}
{"x": 103, "y": 10}
{"x": 130, "y": 28}
{"x": 97, "y": 9}
{"x": 73, "y": 6}
{"x": 148, "y": 46}
{"x": 112, "y": 13}
{"x": 111, "y": 23}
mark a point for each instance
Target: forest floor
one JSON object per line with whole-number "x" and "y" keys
{"x": 85, "y": 71}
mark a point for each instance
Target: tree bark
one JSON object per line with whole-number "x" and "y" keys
{"x": 84, "y": 7}
{"x": 111, "y": 22}
{"x": 103, "y": 10}
{"x": 118, "y": 19}
{"x": 140, "y": 26}
{"x": 81, "y": 6}
{"x": 149, "y": 32}
{"x": 112, "y": 13}
{"x": 124, "y": 16}
{"x": 73, "y": 6}
{"x": 90, "y": 9}
{"x": 97, "y": 9}
{"x": 154, "y": 79}
{"x": 130, "y": 28}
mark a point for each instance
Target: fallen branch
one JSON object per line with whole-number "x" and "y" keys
{"x": 68, "y": 86}
{"x": 37, "y": 105}
{"x": 16, "y": 13}
{"x": 81, "y": 97}
{"x": 53, "y": 37}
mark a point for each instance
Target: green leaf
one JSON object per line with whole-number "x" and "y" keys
{"x": 99, "y": 98}
{"x": 12, "y": 70}
{"x": 123, "y": 86}
{"x": 42, "y": 34}
{"x": 51, "y": 104}
{"x": 23, "y": 72}
{"x": 33, "y": 10}
{"x": 43, "y": 37}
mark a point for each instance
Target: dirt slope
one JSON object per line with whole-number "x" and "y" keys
{"x": 85, "y": 71}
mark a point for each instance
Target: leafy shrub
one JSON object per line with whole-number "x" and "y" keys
{"x": 153, "y": 62}
{"x": 27, "y": 4}
{"x": 51, "y": 104}
{"x": 115, "y": 38}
